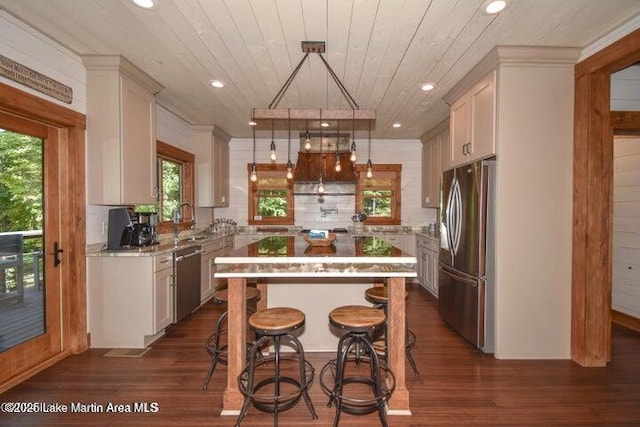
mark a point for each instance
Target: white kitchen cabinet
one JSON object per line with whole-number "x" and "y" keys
{"x": 427, "y": 253}
{"x": 211, "y": 249}
{"x": 162, "y": 292}
{"x": 404, "y": 242}
{"x": 130, "y": 299}
{"x": 472, "y": 122}
{"x": 211, "y": 146}
{"x": 121, "y": 132}
{"x": 435, "y": 159}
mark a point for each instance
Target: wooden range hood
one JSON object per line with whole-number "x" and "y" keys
{"x": 310, "y": 166}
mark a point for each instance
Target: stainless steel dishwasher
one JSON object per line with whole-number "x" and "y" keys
{"x": 186, "y": 270}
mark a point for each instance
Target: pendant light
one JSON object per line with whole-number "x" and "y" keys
{"x": 307, "y": 138}
{"x": 289, "y": 164}
{"x": 353, "y": 137}
{"x": 320, "y": 183}
{"x": 272, "y": 156}
{"x": 338, "y": 165}
{"x": 254, "y": 168}
{"x": 369, "y": 164}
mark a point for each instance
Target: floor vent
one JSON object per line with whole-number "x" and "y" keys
{"x": 126, "y": 352}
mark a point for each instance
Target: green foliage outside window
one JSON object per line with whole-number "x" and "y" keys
{"x": 170, "y": 196}
{"x": 21, "y": 185}
{"x": 377, "y": 203}
{"x": 374, "y": 246}
{"x": 272, "y": 203}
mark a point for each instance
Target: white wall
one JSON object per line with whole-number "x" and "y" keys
{"x": 307, "y": 209}
{"x": 626, "y": 226}
{"x": 625, "y": 89}
{"x": 534, "y": 211}
{"x": 22, "y": 44}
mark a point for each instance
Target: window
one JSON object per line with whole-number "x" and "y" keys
{"x": 175, "y": 183}
{"x": 271, "y": 196}
{"x": 379, "y": 197}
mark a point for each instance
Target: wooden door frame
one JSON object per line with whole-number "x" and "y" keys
{"x": 593, "y": 201}
{"x": 71, "y": 127}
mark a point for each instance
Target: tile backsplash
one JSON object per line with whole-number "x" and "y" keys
{"x": 338, "y": 211}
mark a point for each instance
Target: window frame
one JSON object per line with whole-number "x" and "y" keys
{"x": 396, "y": 188}
{"x": 187, "y": 160}
{"x": 272, "y": 169}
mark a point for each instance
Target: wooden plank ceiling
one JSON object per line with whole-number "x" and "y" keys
{"x": 382, "y": 50}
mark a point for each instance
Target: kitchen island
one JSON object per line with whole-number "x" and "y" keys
{"x": 282, "y": 257}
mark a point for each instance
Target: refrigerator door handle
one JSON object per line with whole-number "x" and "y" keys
{"x": 473, "y": 282}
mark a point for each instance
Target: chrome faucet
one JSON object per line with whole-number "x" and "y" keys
{"x": 177, "y": 217}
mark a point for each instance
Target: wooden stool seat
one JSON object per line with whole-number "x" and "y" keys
{"x": 222, "y": 296}
{"x": 276, "y": 320}
{"x": 379, "y": 295}
{"x": 356, "y": 317}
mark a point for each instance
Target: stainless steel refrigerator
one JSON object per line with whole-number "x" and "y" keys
{"x": 465, "y": 274}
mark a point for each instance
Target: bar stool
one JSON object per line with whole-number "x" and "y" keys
{"x": 379, "y": 296}
{"x": 352, "y": 392}
{"x": 275, "y": 325}
{"x": 214, "y": 345}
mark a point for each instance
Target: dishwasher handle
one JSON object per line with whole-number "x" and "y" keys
{"x": 189, "y": 255}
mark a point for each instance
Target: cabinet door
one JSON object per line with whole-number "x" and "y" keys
{"x": 427, "y": 175}
{"x": 206, "y": 273}
{"x": 221, "y": 173}
{"x": 163, "y": 299}
{"x": 138, "y": 144}
{"x": 445, "y": 153}
{"x": 482, "y": 99}
{"x": 460, "y": 130}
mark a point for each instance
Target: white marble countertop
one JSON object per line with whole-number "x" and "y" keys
{"x": 291, "y": 256}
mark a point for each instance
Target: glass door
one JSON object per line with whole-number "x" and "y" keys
{"x": 30, "y": 310}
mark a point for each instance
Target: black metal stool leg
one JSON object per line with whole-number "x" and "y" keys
{"x": 215, "y": 350}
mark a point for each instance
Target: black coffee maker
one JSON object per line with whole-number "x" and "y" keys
{"x": 145, "y": 229}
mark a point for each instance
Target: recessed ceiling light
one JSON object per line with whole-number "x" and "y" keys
{"x": 397, "y": 125}
{"x": 427, "y": 87}
{"x": 491, "y": 7}
{"x": 324, "y": 124}
{"x": 252, "y": 123}
{"x": 216, "y": 83}
{"x": 147, "y": 4}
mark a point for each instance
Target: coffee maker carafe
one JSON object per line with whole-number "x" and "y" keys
{"x": 145, "y": 229}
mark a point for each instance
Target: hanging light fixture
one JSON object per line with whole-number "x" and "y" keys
{"x": 353, "y": 137}
{"x": 338, "y": 165}
{"x": 369, "y": 164}
{"x": 289, "y": 164}
{"x": 254, "y": 168}
{"x": 320, "y": 183}
{"x": 272, "y": 156}
{"x": 275, "y": 114}
{"x": 307, "y": 137}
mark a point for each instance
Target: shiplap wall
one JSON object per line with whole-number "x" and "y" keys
{"x": 625, "y": 89}
{"x": 626, "y": 226}
{"x": 307, "y": 209}
{"x": 625, "y": 297}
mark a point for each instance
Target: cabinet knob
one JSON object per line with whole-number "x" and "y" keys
{"x": 427, "y": 199}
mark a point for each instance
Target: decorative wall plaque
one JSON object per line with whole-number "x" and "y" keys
{"x": 33, "y": 79}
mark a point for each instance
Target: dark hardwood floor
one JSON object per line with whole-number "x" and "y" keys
{"x": 457, "y": 386}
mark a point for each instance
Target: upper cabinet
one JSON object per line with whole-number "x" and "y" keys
{"x": 212, "y": 166}
{"x": 435, "y": 159}
{"x": 121, "y": 132}
{"x": 473, "y": 122}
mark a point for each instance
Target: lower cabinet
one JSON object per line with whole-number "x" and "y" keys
{"x": 405, "y": 242}
{"x": 130, "y": 299}
{"x": 162, "y": 292}
{"x": 210, "y": 250}
{"x": 427, "y": 253}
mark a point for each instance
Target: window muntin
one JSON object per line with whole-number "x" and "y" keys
{"x": 380, "y": 196}
{"x": 271, "y": 196}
